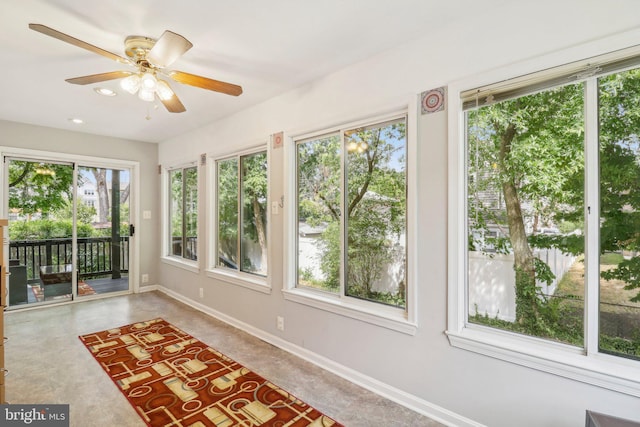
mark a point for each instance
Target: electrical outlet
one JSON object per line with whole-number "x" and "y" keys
{"x": 145, "y": 278}
{"x": 280, "y": 323}
{"x": 201, "y": 293}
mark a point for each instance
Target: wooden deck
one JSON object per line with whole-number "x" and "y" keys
{"x": 107, "y": 285}
{"x": 100, "y": 286}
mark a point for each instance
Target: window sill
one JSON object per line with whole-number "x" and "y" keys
{"x": 609, "y": 372}
{"x": 248, "y": 281}
{"x": 191, "y": 266}
{"x": 386, "y": 317}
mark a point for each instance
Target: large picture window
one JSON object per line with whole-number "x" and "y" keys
{"x": 552, "y": 209}
{"x": 525, "y": 214}
{"x": 351, "y": 213}
{"x": 183, "y": 212}
{"x": 242, "y": 213}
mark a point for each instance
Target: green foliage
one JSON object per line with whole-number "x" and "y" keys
{"x": 43, "y": 229}
{"x": 547, "y": 326}
{"x": 242, "y": 195}
{"x": 183, "y": 202}
{"x": 375, "y": 206}
{"x": 254, "y": 197}
{"x": 191, "y": 201}
{"x": 330, "y": 265}
{"x": 617, "y": 345}
{"x": 227, "y": 203}
{"x": 84, "y": 213}
{"x": 563, "y": 322}
{"x": 627, "y": 271}
{"x": 526, "y": 165}
{"x": 527, "y": 151}
{"x": 611, "y": 259}
{"x": 39, "y": 187}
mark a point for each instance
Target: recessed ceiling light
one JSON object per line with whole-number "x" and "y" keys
{"x": 76, "y": 120}
{"x": 105, "y": 91}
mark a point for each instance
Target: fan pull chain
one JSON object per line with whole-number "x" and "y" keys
{"x": 148, "y": 116}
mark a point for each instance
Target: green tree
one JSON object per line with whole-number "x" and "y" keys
{"x": 319, "y": 195}
{"x": 84, "y": 213}
{"x": 254, "y": 198}
{"x": 247, "y": 174}
{"x": 227, "y": 204}
{"x": 620, "y": 174}
{"x": 528, "y": 153}
{"x": 525, "y": 150}
{"x": 375, "y": 206}
{"x": 184, "y": 211}
{"x": 39, "y": 187}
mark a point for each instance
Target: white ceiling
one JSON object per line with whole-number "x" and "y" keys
{"x": 265, "y": 46}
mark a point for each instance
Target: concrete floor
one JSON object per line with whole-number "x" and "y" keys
{"x": 48, "y": 364}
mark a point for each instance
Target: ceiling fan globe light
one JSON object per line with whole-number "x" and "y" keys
{"x": 131, "y": 84}
{"x": 146, "y": 94}
{"x": 164, "y": 90}
{"x": 148, "y": 81}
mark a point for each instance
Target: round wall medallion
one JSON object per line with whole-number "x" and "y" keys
{"x": 433, "y": 100}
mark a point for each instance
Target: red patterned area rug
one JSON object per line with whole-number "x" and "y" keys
{"x": 173, "y": 379}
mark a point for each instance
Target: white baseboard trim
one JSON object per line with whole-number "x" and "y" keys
{"x": 403, "y": 398}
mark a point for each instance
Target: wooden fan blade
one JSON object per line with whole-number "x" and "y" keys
{"x": 102, "y": 77}
{"x": 173, "y": 104}
{"x": 169, "y": 47}
{"x": 76, "y": 42}
{"x": 205, "y": 83}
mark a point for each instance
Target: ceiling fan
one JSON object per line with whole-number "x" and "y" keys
{"x": 149, "y": 57}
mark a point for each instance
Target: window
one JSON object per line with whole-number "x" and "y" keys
{"x": 242, "y": 213}
{"x": 351, "y": 213}
{"x": 527, "y": 159}
{"x": 183, "y": 212}
{"x": 551, "y": 216}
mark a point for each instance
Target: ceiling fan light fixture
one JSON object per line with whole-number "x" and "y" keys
{"x": 146, "y": 94}
{"x": 149, "y": 56}
{"x": 131, "y": 84}
{"x": 164, "y": 90}
{"x": 105, "y": 91}
{"x": 148, "y": 81}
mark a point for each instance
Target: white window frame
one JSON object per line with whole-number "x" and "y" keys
{"x": 585, "y": 365}
{"x": 167, "y": 257}
{"x": 238, "y": 278}
{"x": 393, "y": 318}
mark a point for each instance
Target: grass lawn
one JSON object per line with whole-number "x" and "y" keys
{"x": 613, "y": 296}
{"x": 619, "y": 316}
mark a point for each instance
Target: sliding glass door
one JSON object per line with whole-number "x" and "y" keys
{"x": 103, "y": 230}
{"x": 40, "y": 231}
{"x": 68, "y": 230}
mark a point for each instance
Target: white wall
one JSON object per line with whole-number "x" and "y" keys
{"x": 60, "y": 141}
{"x": 488, "y": 391}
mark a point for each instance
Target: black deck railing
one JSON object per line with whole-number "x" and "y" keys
{"x": 94, "y": 255}
{"x": 190, "y": 250}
